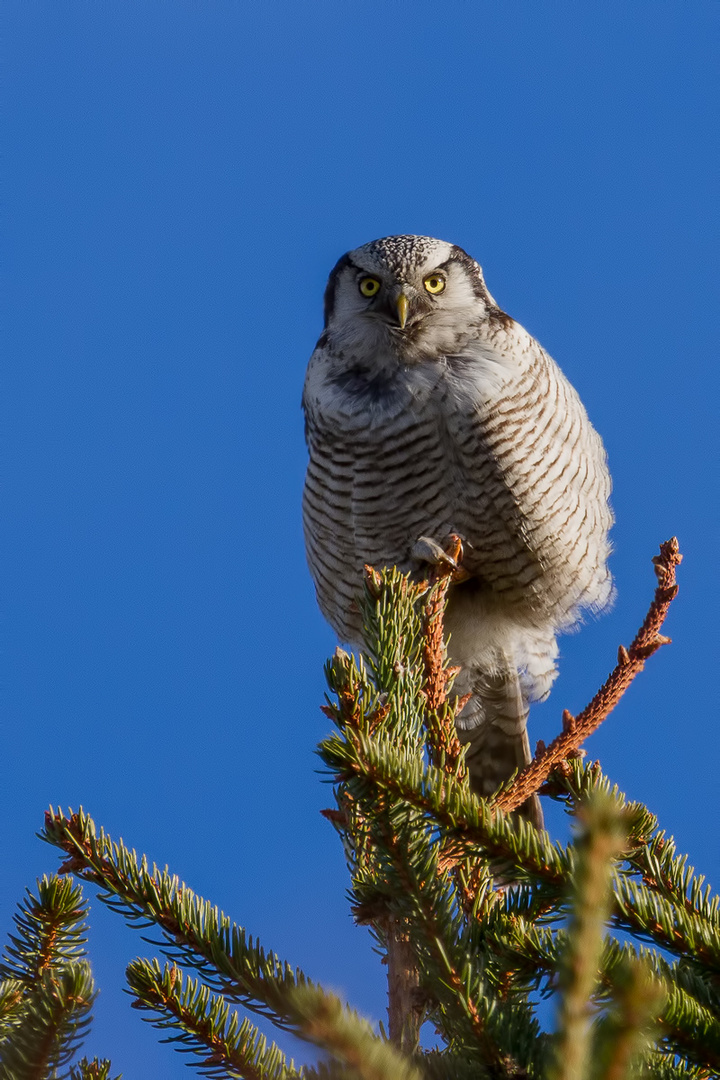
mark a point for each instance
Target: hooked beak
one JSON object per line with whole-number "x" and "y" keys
{"x": 403, "y": 306}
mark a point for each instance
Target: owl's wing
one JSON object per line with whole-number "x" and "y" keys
{"x": 532, "y": 485}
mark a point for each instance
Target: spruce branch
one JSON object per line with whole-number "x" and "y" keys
{"x": 499, "y": 1034}
{"x": 603, "y": 839}
{"x": 195, "y": 932}
{"x": 687, "y": 1011}
{"x": 500, "y": 836}
{"x": 53, "y": 1024}
{"x": 671, "y": 998}
{"x": 50, "y": 931}
{"x": 624, "y": 1035}
{"x": 417, "y": 921}
{"x": 449, "y": 1064}
{"x": 92, "y": 1070}
{"x": 204, "y": 1025}
{"x": 662, "y": 1068}
{"x": 391, "y": 852}
{"x": 373, "y": 696}
{"x": 468, "y": 823}
{"x": 425, "y": 856}
{"x": 667, "y": 924}
{"x": 47, "y": 990}
{"x": 443, "y": 746}
{"x": 12, "y": 992}
{"x": 630, "y": 663}
{"x": 667, "y": 873}
{"x": 660, "y": 898}
{"x": 393, "y": 644}
{"x": 323, "y": 1020}
{"x": 426, "y": 941}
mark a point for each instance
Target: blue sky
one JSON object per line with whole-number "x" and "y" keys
{"x": 181, "y": 179}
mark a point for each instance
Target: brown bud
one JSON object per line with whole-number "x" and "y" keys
{"x": 373, "y": 581}
{"x": 659, "y": 567}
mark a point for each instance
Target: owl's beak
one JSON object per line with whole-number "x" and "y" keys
{"x": 403, "y": 305}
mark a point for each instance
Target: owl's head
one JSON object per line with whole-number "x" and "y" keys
{"x": 412, "y": 290}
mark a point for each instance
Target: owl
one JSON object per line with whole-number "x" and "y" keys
{"x": 430, "y": 411}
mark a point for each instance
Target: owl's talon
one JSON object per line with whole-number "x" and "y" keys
{"x": 427, "y": 550}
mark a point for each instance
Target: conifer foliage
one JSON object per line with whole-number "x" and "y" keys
{"x": 46, "y": 988}
{"x": 476, "y": 913}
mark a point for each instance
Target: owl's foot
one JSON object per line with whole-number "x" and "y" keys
{"x": 443, "y": 558}
{"x": 427, "y": 550}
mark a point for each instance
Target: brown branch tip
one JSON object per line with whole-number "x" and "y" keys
{"x": 442, "y": 741}
{"x": 629, "y": 664}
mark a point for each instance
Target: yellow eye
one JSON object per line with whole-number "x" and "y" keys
{"x": 434, "y": 283}
{"x": 369, "y": 286}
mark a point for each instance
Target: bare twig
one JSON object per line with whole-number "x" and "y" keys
{"x": 442, "y": 741}
{"x": 630, "y": 662}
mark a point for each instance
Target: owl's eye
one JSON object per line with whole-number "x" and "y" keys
{"x": 369, "y": 286}
{"x": 434, "y": 283}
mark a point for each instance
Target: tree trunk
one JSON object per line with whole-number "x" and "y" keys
{"x": 405, "y": 1009}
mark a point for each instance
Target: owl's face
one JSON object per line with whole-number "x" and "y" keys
{"x": 414, "y": 293}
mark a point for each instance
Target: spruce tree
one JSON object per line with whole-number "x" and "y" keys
{"x": 476, "y": 914}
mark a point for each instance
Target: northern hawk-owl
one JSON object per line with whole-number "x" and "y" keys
{"x": 429, "y": 411}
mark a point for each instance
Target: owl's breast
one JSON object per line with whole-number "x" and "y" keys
{"x": 372, "y": 488}
{"x": 395, "y": 456}
{"x": 512, "y": 466}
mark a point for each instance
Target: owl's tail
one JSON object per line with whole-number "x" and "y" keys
{"x": 494, "y": 724}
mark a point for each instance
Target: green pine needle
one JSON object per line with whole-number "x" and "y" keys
{"x": 350, "y": 1039}
{"x": 54, "y": 1023}
{"x": 93, "y": 1070}
{"x": 47, "y": 991}
{"x": 196, "y": 933}
{"x": 475, "y": 910}
{"x": 204, "y": 1025}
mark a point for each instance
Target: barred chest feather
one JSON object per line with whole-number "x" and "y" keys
{"x": 493, "y": 444}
